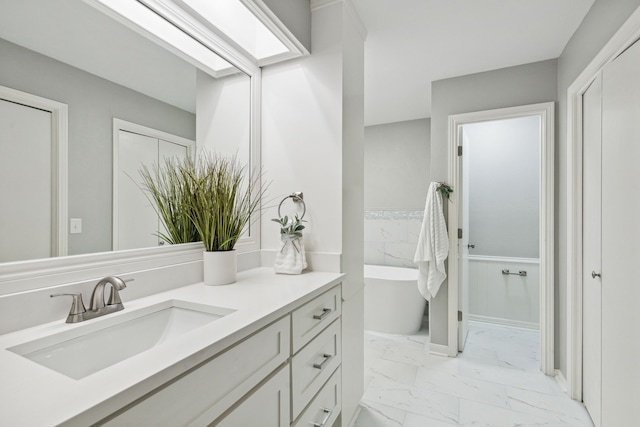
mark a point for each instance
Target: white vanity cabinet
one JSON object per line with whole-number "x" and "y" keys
{"x": 316, "y": 359}
{"x": 286, "y": 374}
{"x": 204, "y": 393}
{"x": 268, "y": 406}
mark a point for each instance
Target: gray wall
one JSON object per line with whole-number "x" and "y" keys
{"x": 296, "y": 16}
{"x": 503, "y": 157}
{"x": 396, "y": 162}
{"x": 508, "y": 87}
{"x": 93, "y": 102}
{"x": 600, "y": 24}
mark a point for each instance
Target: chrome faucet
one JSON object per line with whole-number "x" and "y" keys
{"x": 98, "y": 307}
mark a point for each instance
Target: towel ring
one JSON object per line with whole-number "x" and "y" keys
{"x": 296, "y": 197}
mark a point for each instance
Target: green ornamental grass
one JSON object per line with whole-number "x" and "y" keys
{"x": 210, "y": 195}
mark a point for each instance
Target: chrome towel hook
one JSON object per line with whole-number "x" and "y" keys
{"x": 296, "y": 197}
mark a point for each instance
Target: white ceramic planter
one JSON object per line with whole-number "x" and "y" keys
{"x": 220, "y": 267}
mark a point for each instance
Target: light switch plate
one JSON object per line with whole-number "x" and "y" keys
{"x": 75, "y": 226}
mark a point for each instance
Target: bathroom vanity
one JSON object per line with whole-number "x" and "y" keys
{"x": 265, "y": 350}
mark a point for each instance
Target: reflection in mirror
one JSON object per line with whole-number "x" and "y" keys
{"x": 68, "y": 52}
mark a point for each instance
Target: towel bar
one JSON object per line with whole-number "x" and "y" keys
{"x": 519, "y": 273}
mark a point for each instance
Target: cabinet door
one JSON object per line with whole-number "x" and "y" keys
{"x": 205, "y": 393}
{"x": 313, "y": 365}
{"x": 620, "y": 240}
{"x": 268, "y": 406}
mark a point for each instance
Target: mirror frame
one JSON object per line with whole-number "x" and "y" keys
{"x": 188, "y": 39}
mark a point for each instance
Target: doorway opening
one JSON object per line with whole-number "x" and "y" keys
{"x": 501, "y": 223}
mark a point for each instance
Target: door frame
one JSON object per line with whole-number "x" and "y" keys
{"x": 546, "y": 217}
{"x": 627, "y": 35}
{"x": 59, "y": 162}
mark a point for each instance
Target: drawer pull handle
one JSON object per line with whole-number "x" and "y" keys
{"x": 326, "y": 358}
{"x": 325, "y": 313}
{"x": 327, "y": 415}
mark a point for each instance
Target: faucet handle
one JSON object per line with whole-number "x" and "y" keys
{"x": 77, "y": 306}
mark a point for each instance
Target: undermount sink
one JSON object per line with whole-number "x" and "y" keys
{"x": 99, "y": 344}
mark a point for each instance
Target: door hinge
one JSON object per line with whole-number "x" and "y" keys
{"x": 459, "y": 233}
{"x": 459, "y": 150}
{"x": 459, "y": 316}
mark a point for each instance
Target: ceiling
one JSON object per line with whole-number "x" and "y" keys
{"x": 411, "y": 43}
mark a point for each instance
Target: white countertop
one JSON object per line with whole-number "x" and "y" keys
{"x": 33, "y": 395}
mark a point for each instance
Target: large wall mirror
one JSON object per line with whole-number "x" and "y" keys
{"x": 107, "y": 72}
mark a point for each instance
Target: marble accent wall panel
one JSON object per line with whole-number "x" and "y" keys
{"x": 390, "y": 237}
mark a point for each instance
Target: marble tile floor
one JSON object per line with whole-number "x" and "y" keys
{"x": 494, "y": 382}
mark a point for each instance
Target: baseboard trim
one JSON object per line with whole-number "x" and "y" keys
{"x": 562, "y": 381}
{"x": 503, "y": 322}
{"x": 438, "y": 349}
{"x": 354, "y": 418}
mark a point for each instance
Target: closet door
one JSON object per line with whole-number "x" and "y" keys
{"x": 592, "y": 250}
{"x": 25, "y": 191}
{"x": 621, "y": 240}
{"x": 137, "y": 220}
{"x": 168, "y": 150}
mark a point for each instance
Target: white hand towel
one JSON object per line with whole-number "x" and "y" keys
{"x": 433, "y": 245}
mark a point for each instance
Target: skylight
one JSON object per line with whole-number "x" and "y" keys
{"x": 240, "y": 25}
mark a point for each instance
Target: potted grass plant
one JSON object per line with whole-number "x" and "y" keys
{"x": 167, "y": 188}
{"x": 222, "y": 207}
{"x": 219, "y": 200}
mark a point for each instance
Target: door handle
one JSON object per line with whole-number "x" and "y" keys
{"x": 594, "y": 274}
{"x": 470, "y": 246}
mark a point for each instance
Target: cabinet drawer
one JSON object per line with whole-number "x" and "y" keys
{"x": 313, "y": 366}
{"x": 269, "y": 404}
{"x": 204, "y": 393}
{"x": 314, "y": 316}
{"x": 326, "y": 406}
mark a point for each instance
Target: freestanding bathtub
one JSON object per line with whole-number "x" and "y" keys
{"x": 392, "y": 302}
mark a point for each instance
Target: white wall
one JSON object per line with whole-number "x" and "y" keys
{"x": 312, "y": 141}
{"x": 510, "y": 300}
{"x": 504, "y": 186}
{"x": 302, "y": 137}
{"x": 223, "y": 114}
{"x": 508, "y": 87}
{"x": 397, "y": 165}
{"x": 396, "y": 179}
{"x": 352, "y": 221}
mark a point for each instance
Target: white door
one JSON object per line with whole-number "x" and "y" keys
{"x": 621, "y": 240}
{"x": 167, "y": 150}
{"x": 592, "y": 251}
{"x": 463, "y": 244}
{"x": 137, "y": 220}
{"x": 25, "y": 191}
